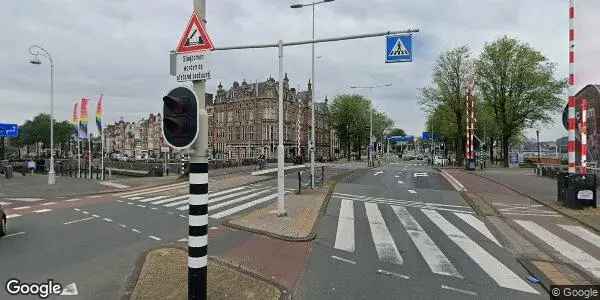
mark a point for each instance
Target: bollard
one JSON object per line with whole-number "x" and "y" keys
{"x": 299, "y": 182}
{"x": 322, "y": 175}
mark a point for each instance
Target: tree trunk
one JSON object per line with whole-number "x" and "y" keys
{"x": 505, "y": 150}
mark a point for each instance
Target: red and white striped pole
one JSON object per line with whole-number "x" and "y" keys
{"x": 584, "y": 107}
{"x": 571, "y": 116}
{"x": 468, "y": 136}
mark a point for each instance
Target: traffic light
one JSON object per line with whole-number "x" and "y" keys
{"x": 180, "y": 117}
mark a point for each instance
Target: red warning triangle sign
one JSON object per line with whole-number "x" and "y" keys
{"x": 194, "y": 37}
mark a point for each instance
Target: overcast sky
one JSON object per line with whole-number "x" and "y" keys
{"x": 120, "y": 48}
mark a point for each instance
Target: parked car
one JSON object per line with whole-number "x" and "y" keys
{"x": 2, "y": 222}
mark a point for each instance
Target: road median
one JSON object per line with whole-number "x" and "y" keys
{"x": 162, "y": 274}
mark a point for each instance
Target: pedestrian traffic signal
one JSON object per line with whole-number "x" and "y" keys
{"x": 180, "y": 117}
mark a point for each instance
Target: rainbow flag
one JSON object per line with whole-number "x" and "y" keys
{"x": 99, "y": 112}
{"x": 75, "y": 117}
{"x": 83, "y": 118}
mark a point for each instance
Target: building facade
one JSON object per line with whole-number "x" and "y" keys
{"x": 138, "y": 139}
{"x": 243, "y": 122}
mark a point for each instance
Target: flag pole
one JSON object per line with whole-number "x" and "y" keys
{"x": 90, "y": 155}
{"x": 78, "y": 156}
{"x": 102, "y": 157}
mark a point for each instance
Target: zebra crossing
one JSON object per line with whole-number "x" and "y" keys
{"x": 429, "y": 246}
{"x": 221, "y": 204}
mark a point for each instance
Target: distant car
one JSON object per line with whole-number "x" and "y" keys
{"x": 2, "y": 222}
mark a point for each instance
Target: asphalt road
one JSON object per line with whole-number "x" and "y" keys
{"x": 95, "y": 241}
{"x": 402, "y": 232}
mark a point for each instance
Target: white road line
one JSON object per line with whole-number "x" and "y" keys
{"x": 21, "y": 207}
{"x": 478, "y": 225}
{"x": 501, "y": 274}
{"x": 107, "y": 220}
{"x": 183, "y": 216}
{"x": 14, "y": 234}
{"x": 384, "y": 244}
{"x": 241, "y": 199}
{"x": 135, "y": 230}
{"x": 39, "y": 211}
{"x": 176, "y": 203}
{"x": 343, "y": 259}
{"x": 135, "y": 198}
{"x": 246, "y": 205}
{"x": 12, "y": 216}
{"x": 77, "y": 221}
{"x": 582, "y": 233}
{"x": 578, "y": 256}
{"x": 434, "y": 257}
{"x": 121, "y": 201}
{"x": 388, "y": 273}
{"x": 73, "y": 200}
{"x": 227, "y": 191}
{"x": 115, "y": 185}
{"x": 218, "y": 199}
{"x": 48, "y": 203}
{"x": 154, "y": 208}
{"x": 154, "y": 190}
{"x": 153, "y": 198}
{"x": 130, "y": 203}
{"x": 139, "y": 205}
{"x": 344, "y": 237}
{"x": 397, "y": 176}
{"x": 123, "y": 225}
{"x": 96, "y": 216}
{"x": 412, "y": 191}
{"x": 85, "y": 212}
{"x": 182, "y": 240}
{"x": 459, "y": 290}
{"x": 95, "y": 196}
{"x": 77, "y": 209}
{"x": 154, "y": 238}
{"x": 170, "y": 199}
{"x": 363, "y": 198}
{"x": 400, "y": 182}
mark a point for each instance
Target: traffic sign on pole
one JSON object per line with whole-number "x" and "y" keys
{"x": 9, "y": 130}
{"x": 398, "y": 48}
{"x": 194, "y": 37}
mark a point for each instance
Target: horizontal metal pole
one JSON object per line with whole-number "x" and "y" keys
{"x": 334, "y": 39}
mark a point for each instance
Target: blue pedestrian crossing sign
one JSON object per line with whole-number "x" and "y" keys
{"x": 398, "y": 48}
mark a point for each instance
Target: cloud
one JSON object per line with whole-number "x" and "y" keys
{"x": 120, "y": 48}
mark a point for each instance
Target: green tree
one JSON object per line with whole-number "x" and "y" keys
{"x": 448, "y": 91}
{"x": 518, "y": 83}
{"x": 397, "y": 132}
{"x": 349, "y": 115}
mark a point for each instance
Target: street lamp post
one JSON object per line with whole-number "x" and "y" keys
{"x": 36, "y": 51}
{"x": 312, "y": 108}
{"x": 370, "y": 88}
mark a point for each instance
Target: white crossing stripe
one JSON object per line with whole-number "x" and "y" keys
{"x": 171, "y": 199}
{"x": 384, "y": 244}
{"x": 22, "y": 207}
{"x": 435, "y": 259}
{"x": 12, "y": 216}
{"x": 153, "y": 190}
{"x": 578, "y": 256}
{"x": 176, "y": 203}
{"x": 412, "y": 191}
{"x": 344, "y": 237}
{"x": 478, "y": 225}
{"x": 583, "y": 233}
{"x": 154, "y": 238}
{"x": 153, "y": 198}
{"x": 241, "y": 199}
{"x": 39, "y": 211}
{"x": 48, "y": 203}
{"x": 501, "y": 274}
{"x": 73, "y": 200}
{"x": 246, "y": 205}
{"x": 213, "y": 200}
{"x": 227, "y": 191}
{"x": 135, "y": 198}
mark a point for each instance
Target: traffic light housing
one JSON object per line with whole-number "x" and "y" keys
{"x": 180, "y": 117}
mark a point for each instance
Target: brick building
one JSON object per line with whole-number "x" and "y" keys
{"x": 243, "y": 122}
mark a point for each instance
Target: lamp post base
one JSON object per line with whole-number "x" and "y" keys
{"x": 51, "y": 177}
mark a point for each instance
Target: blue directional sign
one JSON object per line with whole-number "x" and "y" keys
{"x": 426, "y": 136}
{"x": 401, "y": 138}
{"x": 398, "y": 48}
{"x": 9, "y": 130}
